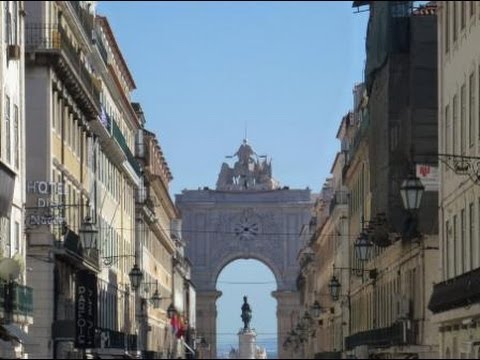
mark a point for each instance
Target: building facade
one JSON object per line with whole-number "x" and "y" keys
{"x": 455, "y": 297}
{"x": 17, "y": 306}
{"x": 62, "y": 96}
{"x": 81, "y": 172}
{"x": 388, "y": 291}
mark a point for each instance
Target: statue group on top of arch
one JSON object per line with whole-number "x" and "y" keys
{"x": 248, "y": 172}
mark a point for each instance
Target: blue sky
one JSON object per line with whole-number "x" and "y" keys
{"x": 204, "y": 70}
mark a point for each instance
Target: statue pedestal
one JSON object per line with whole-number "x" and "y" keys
{"x": 247, "y": 344}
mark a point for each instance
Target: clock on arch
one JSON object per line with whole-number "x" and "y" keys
{"x": 246, "y": 228}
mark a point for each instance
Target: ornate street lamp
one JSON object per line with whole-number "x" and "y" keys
{"x": 316, "y": 309}
{"x": 135, "y": 276}
{"x": 88, "y": 234}
{"x": 363, "y": 247}
{"x": 411, "y": 191}
{"x": 156, "y": 299}
{"x": 334, "y": 287}
{"x": 171, "y": 311}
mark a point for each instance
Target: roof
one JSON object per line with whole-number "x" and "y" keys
{"x": 428, "y": 9}
{"x": 342, "y": 123}
{"x": 111, "y": 38}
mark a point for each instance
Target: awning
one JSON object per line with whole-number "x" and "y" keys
{"x": 15, "y": 332}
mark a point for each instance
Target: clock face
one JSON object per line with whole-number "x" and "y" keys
{"x": 246, "y": 229}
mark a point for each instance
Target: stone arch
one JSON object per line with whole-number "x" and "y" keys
{"x": 216, "y": 236}
{"x": 230, "y": 258}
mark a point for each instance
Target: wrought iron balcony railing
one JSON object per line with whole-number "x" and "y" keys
{"x": 117, "y": 134}
{"x": 454, "y": 293}
{"x": 85, "y": 18}
{"x": 16, "y": 299}
{"x": 22, "y": 301}
{"x": 52, "y": 39}
{"x": 400, "y": 333}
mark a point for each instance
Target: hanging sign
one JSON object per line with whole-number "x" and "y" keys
{"x": 85, "y": 309}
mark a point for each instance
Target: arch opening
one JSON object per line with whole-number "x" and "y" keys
{"x": 256, "y": 280}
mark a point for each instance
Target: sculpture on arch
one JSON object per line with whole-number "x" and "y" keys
{"x": 249, "y": 172}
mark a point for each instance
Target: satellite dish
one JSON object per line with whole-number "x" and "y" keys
{"x": 9, "y": 269}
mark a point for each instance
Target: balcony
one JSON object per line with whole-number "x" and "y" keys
{"x": 71, "y": 250}
{"x": 116, "y": 340}
{"x": 17, "y": 301}
{"x": 84, "y": 17}
{"x": 50, "y": 44}
{"x": 22, "y": 301}
{"x": 118, "y": 136}
{"x": 339, "y": 198}
{"x": 458, "y": 292}
{"x": 101, "y": 48}
{"x": 400, "y": 333}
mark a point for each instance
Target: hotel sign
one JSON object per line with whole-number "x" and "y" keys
{"x": 47, "y": 192}
{"x": 85, "y": 309}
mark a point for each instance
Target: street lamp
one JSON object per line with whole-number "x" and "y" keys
{"x": 135, "y": 276}
{"x": 88, "y": 234}
{"x": 363, "y": 247}
{"x": 334, "y": 288}
{"x": 156, "y": 299}
{"x": 412, "y": 190}
{"x": 316, "y": 309}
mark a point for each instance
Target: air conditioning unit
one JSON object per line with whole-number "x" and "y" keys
{"x": 13, "y": 52}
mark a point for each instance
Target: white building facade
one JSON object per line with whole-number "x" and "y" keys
{"x": 455, "y": 298}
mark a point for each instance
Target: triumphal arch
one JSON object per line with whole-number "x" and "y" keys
{"x": 248, "y": 216}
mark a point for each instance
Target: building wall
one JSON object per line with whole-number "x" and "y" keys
{"x": 458, "y": 113}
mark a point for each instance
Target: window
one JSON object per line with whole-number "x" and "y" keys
{"x": 447, "y": 131}
{"x": 455, "y": 20}
{"x": 463, "y": 14}
{"x": 471, "y": 235}
{"x": 472, "y": 8}
{"x": 454, "y": 247}
{"x": 454, "y": 123}
{"x": 8, "y": 22}
{"x": 446, "y": 252}
{"x": 16, "y": 139}
{"x": 447, "y": 26}
{"x": 471, "y": 112}
{"x": 463, "y": 248}
{"x": 463, "y": 105}
{"x": 15, "y": 22}
{"x": 54, "y": 109}
{"x": 8, "y": 242}
{"x": 17, "y": 237}
{"x": 8, "y": 142}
